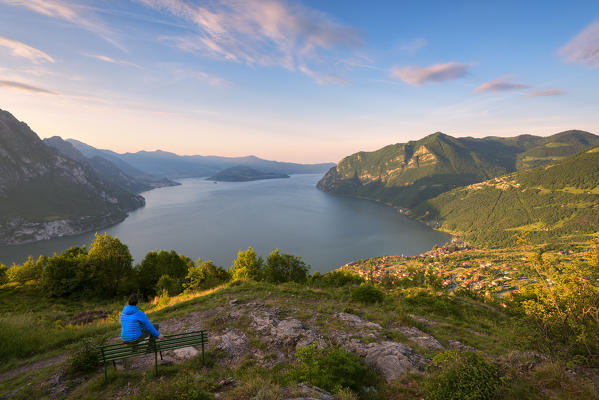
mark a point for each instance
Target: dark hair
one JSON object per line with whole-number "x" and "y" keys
{"x": 133, "y": 299}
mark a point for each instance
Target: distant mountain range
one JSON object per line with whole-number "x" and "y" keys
{"x": 241, "y": 173}
{"x": 173, "y": 166}
{"x": 422, "y": 178}
{"x": 55, "y": 187}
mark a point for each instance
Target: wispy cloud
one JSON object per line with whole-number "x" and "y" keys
{"x": 259, "y": 32}
{"x": 20, "y": 49}
{"x": 414, "y": 44}
{"x": 184, "y": 73}
{"x": 546, "y": 92}
{"x": 324, "y": 78}
{"x": 112, "y": 60}
{"x": 433, "y": 73}
{"x": 500, "y": 85}
{"x": 584, "y": 47}
{"x": 24, "y": 87}
{"x": 73, "y": 13}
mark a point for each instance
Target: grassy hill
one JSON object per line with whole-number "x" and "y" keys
{"x": 554, "y": 203}
{"x": 404, "y": 175}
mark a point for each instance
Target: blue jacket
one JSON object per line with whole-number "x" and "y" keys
{"x": 132, "y": 320}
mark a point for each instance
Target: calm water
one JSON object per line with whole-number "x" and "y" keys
{"x": 214, "y": 221}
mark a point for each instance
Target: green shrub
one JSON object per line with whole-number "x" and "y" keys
{"x": 332, "y": 369}
{"x": 281, "y": 268}
{"x": 168, "y": 284}
{"x": 336, "y": 278}
{"x": 84, "y": 359}
{"x": 367, "y": 294}
{"x": 3, "y": 278}
{"x": 158, "y": 263}
{"x": 205, "y": 276}
{"x": 459, "y": 376}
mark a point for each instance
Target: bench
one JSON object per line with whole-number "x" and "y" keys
{"x": 120, "y": 351}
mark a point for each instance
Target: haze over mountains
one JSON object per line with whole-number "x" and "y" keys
{"x": 54, "y": 187}
{"x": 418, "y": 178}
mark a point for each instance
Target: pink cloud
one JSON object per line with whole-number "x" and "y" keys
{"x": 20, "y": 49}
{"x": 433, "y": 73}
{"x": 262, "y": 32}
{"x": 499, "y": 85}
{"x": 546, "y": 92}
{"x": 584, "y": 47}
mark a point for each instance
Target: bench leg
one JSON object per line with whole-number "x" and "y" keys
{"x": 105, "y": 372}
{"x": 203, "y": 360}
{"x": 161, "y": 356}
{"x": 156, "y": 362}
{"x": 114, "y": 364}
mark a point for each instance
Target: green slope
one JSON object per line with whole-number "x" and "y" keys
{"x": 553, "y": 203}
{"x": 406, "y": 174}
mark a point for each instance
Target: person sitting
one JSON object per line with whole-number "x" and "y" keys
{"x": 135, "y": 324}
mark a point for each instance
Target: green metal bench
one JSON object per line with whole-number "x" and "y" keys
{"x": 120, "y": 351}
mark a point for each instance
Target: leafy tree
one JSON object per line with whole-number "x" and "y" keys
{"x": 3, "y": 278}
{"x": 284, "y": 268}
{"x": 205, "y": 276}
{"x": 247, "y": 265}
{"x": 158, "y": 263}
{"x": 64, "y": 273}
{"x": 168, "y": 284}
{"x": 367, "y": 294}
{"x": 110, "y": 264}
{"x": 29, "y": 270}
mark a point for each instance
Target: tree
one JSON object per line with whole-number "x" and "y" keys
{"x": 284, "y": 268}
{"x": 168, "y": 284}
{"x": 110, "y": 262}
{"x": 247, "y": 265}
{"x": 3, "y": 269}
{"x": 158, "y": 263}
{"x": 205, "y": 276}
{"x": 64, "y": 274}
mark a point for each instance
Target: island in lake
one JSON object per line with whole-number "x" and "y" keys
{"x": 242, "y": 173}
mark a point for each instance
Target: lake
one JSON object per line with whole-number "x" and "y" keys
{"x": 214, "y": 221}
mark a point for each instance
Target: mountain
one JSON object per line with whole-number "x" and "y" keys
{"x": 45, "y": 194}
{"x": 162, "y": 163}
{"x": 551, "y": 202}
{"x": 406, "y": 174}
{"x": 147, "y": 179}
{"x": 173, "y": 166}
{"x": 105, "y": 169}
{"x": 242, "y": 173}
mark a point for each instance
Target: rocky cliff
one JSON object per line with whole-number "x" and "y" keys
{"x": 45, "y": 194}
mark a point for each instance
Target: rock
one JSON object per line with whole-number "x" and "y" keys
{"x": 233, "y": 342}
{"x": 186, "y": 353}
{"x": 313, "y": 392}
{"x": 459, "y": 346}
{"x": 233, "y": 302}
{"x": 357, "y": 322}
{"x": 289, "y": 332}
{"x": 230, "y": 381}
{"x": 391, "y": 359}
{"x": 420, "y": 338}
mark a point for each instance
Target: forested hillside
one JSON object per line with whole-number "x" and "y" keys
{"x": 404, "y": 175}
{"x": 553, "y": 203}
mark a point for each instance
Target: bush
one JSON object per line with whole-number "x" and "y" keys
{"x": 336, "y": 278}
{"x": 332, "y": 369}
{"x": 205, "y": 276}
{"x": 169, "y": 285}
{"x": 367, "y": 294}
{"x": 247, "y": 265}
{"x": 30, "y": 270}
{"x": 158, "y": 263}
{"x": 3, "y": 278}
{"x": 281, "y": 268}
{"x": 84, "y": 359}
{"x": 458, "y": 376}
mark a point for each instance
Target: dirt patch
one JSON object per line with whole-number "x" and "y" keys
{"x": 85, "y": 317}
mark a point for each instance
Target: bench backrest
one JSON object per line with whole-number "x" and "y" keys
{"x": 119, "y": 351}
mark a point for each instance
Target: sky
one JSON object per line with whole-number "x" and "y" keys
{"x": 302, "y": 81}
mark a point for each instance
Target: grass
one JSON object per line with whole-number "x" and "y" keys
{"x": 33, "y": 328}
